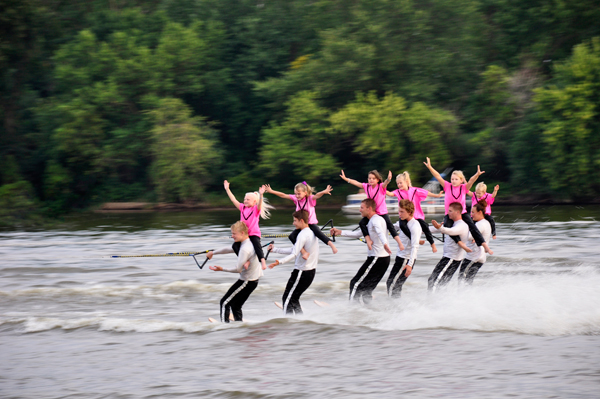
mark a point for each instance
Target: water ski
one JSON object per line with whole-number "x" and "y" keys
{"x": 212, "y": 320}
{"x": 280, "y": 306}
{"x": 321, "y": 304}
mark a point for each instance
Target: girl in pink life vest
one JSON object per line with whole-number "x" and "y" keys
{"x": 255, "y": 206}
{"x": 456, "y": 191}
{"x": 305, "y": 200}
{"x": 415, "y": 195}
{"x": 480, "y": 195}
{"x": 375, "y": 189}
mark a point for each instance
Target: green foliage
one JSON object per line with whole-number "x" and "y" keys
{"x": 397, "y": 135}
{"x": 570, "y": 113}
{"x": 297, "y": 148}
{"x": 18, "y": 205}
{"x": 184, "y": 150}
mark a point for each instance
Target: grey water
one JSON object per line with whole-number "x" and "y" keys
{"x": 75, "y": 323}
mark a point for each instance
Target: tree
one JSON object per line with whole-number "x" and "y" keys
{"x": 570, "y": 113}
{"x": 185, "y": 152}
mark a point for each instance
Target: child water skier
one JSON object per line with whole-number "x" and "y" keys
{"x": 480, "y": 195}
{"x": 375, "y": 190}
{"x": 305, "y": 201}
{"x": 239, "y": 292}
{"x": 415, "y": 195}
{"x": 456, "y": 191}
{"x": 255, "y": 206}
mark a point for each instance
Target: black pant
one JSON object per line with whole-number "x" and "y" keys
{"x": 468, "y": 271}
{"x": 397, "y": 277}
{"x": 390, "y": 226}
{"x": 255, "y": 240}
{"x": 442, "y": 273}
{"x": 315, "y": 229}
{"x": 492, "y": 222}
{"x": 235, "y": 298}
{"x": 299, "y": 282}
{"x": 424, "y": 227}
{"x": 472, "y": 228}
{"x": 368, "y": 276}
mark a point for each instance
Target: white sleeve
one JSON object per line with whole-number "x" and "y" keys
{"x": 415, "y": 237}
{"x": 381, "y": 234}
{"x": 243, "y": 257}
{"x": 352, "y": 234}
{"x": 455, "y": 230}
{"x": 224, "y": 250}
{"x": 285, "y": 251}
{"x": 300, "y": 241}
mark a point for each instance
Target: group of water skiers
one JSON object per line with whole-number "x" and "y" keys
{"x": 465, "y": 251}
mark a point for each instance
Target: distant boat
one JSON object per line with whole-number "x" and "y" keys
{"x": 430, "y": 206}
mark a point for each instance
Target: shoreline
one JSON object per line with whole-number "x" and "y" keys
{"x": 124, "y": 207}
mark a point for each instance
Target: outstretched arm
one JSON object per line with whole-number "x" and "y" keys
{"x": 430, "y": 194}
{"x": 474, "y": 178}
{"x": 277, "y": 193}
{"x": 389, "y": 193}
{"x": 495, "y": 191}
{"x": 434, "y": 172}
{"x": 328, "y": 190}
{"x": 351, "y": 181}
{"x": 230, "y": 194}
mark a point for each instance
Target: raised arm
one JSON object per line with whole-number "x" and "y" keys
{"x": 230, "y": 194}
{"x": 495, "y": 191}
{"x": 474, "y": 178}
{"x": 351, "y": 181}
{"x": 387, "y": 181}
{"x": 434, "y": 172}
{"x": 261, "y": 191}
{"x": 277, "y": 193}
{"x": 328, "y": 190}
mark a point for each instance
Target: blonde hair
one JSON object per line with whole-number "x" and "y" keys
{"x": 404, "y": 176}
{"x": 481, "y": 187}
{"x": 240, "y": 227}
{"x": 461, "y": 175}
{"x": 376, "y": 174}
{"x": 265, "y": 207}
{"x": 304, "y": 187}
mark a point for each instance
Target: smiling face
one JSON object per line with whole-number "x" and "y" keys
{"x": 401, "y": 183}
{"x": 299, "y": 223}
{"x": 475, "y": 215}
{"x": 372, "y": 180}
{"x": 238, "y": 236}
{"x": 479, "y": 193}
{"x": 249, "y": 200}
{"x": 300, "y": 194}
{"x": 364, "y": 210}
{"x": 455, "y": 180}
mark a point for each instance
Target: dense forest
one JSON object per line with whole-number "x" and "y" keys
{"x": 161, "y": 100}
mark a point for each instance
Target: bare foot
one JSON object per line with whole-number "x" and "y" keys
{"x": 433, "y": 248}
{"x": 487, "y": 248}
{"x": 333, "y": 248}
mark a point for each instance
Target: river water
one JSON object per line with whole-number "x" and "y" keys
{"x": 75, "y": 323}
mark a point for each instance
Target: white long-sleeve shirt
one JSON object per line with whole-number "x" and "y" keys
{"x": 378, "y": 233}
{"x": 246, "y": 253}
{"x": 451, "y": 249}
{"x": 478, "y": 254}
{"x": 307, "y": 240}
{"x": 411, "y": 245}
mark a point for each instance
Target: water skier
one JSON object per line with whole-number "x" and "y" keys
{"x": 378, "y": 255}
{"x": 453, "y": 254}
{"x": 415, "y": 195}
{"x": 239, "y": 292}
{"x": 406, "y": 258}
{"x": 255, "y": 206}
{"x": 305, "y": 200}
{"x": 456, "y": 191}
{"x": 375, "y": 190}
{"x": 480, "y": 195}
{"x": 304, "y": 271}
{"x": 475, "y": 259}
